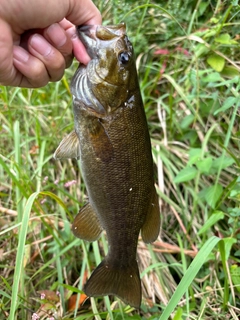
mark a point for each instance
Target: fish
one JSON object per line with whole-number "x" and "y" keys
{"x": 112, "y": 142}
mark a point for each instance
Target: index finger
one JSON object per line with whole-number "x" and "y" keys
{"x": 90, "y": 16}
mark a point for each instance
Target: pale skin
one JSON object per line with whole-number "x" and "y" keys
{"x": 38, "y": 39}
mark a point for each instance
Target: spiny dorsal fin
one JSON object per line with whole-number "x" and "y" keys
{"x": 68, "y": 148}
{"x": 86, "y": 225}
{"x": 151, "y": 227}
{"x": 123, "y": 282}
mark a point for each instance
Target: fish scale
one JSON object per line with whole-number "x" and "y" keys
{"x": 111, "y": 139}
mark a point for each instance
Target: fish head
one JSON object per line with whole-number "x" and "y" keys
{"x": 111, "y": 73}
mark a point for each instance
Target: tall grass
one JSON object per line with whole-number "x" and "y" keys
{"x": 187, "y": 54}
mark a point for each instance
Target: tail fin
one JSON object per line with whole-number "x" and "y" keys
{"x": 124, "y": 282}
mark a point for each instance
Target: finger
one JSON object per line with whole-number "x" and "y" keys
{"x": 43, "y": 63}
{"x": 78, "y": 16}
{"x": 79, "y": 50}
{"x": 6, "y": 62}
{"x": 30, "y": 71}
{"x": 59, "y": 38}
{"x": 52, "y": 60}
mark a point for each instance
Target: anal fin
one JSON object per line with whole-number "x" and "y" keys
{"x": 86, "y": 224}
{"x": 151, "y": 227}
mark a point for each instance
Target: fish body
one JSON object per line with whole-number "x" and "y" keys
{"x": 112, "y": 141}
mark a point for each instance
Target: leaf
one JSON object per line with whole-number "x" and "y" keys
{"x": 20, "y": 253}
{"x": 228, "y": 103}
{"x": 212, "y": 77}
{"x": 235, "y": 192}
{"x": 235, "y": 275}
{"x": 204, "y": 165}
{"x": 178, "y": 314}
{"x": 194, "y": 155}
{"x": 73, "y": 300}
{"x": 202, "y": 7}
{"x": 187, "y": 121}
{"x": 189, "y": 276}
{"x": 225, "y": 39}
{"x": 228, "y": 243}
{"x": 185, "y": 174}
{"x": 230, "y": 72}
{"x": 216, "y": 62}
{"x": 211, "y": 194}
{"x": 222, "y": 162}
{"x": 214, "y": 218}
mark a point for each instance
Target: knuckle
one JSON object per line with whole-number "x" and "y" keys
{"x": 39, "y": 76}
{"x": 58, "y": 63}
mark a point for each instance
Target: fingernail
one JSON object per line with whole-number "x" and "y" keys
{"x": 74, "y": 37}
{"x": 41, "y": 45}
{"x": 71, "y": 32}
{"x": 57, "y": 35}
{"x": 20, "y": 54}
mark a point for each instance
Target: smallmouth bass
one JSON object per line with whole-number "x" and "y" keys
{"x": 112, "y": 141}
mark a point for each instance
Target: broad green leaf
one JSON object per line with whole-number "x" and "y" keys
{"x": 225, "y": 39}
{"x": 204, "y": 165}
{"x": 235, "y": 275}
{"x": 230, "y": 72}
{"x": 202, "y": 7}
{"x": 214, "y": 218}
{"x": 194, "y": 155}
{"x": 186, "y": 174}
{"x": 224, "y": 162}
{"x": 228, "y": 243}
{"x": 212, "y": 77}
{"x": 235, "y": 192}
{"x": 178, "y": 314}
{"x": 211, "y": 194}
{"x": 228, "y": 103}
{"x": 200, "y": 50}
{"x": 187, "y": 121}
{"x": 216, "y": 62}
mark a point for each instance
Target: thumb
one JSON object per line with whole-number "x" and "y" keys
{"x": 7, "y": 70}
{"x": 83, "y": 12}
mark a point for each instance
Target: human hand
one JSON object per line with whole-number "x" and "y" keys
{"x": 38, "y": 39}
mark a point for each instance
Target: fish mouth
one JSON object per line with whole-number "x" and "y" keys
{"x": 91, "y": 34}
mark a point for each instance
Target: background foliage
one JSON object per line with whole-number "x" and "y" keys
{"x": 187, "y": 54}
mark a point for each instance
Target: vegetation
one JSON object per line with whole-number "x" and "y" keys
{"x": 188, "y": 60}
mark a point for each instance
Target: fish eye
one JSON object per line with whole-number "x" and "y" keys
{"x": 123, "y": 57}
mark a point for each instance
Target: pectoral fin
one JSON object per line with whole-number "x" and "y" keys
{"x": 68, "y": 148}
{"x": 100, "y": 141}
{"x": 86, "y": 225}
{"x": 151, "y": 227}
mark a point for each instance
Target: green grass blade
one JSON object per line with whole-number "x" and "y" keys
{"x": 189, "y": 276}
{"x": 20, "y": 253}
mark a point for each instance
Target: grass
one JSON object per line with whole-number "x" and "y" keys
{"x": 187, "y": 54}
